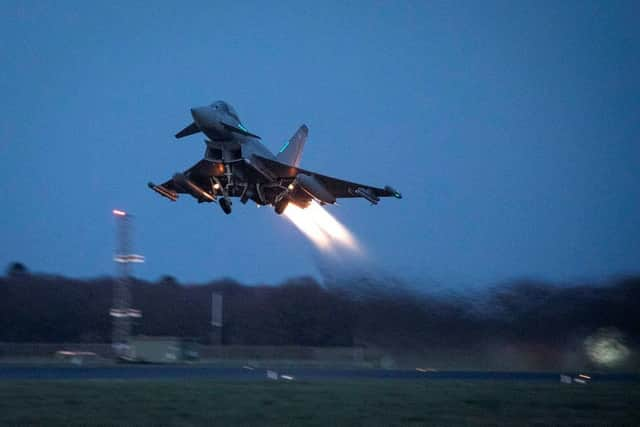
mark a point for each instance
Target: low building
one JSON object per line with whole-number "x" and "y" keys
{"x": 163, "y": 349}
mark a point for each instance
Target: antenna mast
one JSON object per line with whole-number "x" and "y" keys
{"x": 121, "y": 312}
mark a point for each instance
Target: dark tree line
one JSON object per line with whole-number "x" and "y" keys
{"x": 41, "y": 308}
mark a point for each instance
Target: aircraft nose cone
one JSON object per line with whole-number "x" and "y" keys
{"x": 204, "y": 117}
{"x": 199, "y": 114}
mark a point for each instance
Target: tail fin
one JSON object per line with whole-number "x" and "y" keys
{"x": 291, "y": 152}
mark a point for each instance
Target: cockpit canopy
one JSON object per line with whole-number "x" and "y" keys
{"x": 226, "y": 108}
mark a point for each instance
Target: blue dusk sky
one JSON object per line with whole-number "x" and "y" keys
{"x": 512, "y": 129}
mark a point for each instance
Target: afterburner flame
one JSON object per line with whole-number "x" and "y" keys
{"x": 305, "y": 223}
{"x": 320, "y": 226}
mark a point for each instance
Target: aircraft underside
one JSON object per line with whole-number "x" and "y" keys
{"x": 219, "y": 182}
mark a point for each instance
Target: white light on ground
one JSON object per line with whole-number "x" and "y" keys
{"x": 606, "y": 347}
{"x": 135, "y": 258}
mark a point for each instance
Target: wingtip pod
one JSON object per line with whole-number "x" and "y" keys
{"x": 395, "y": 193}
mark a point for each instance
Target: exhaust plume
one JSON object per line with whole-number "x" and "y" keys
{"x": 322, "y": 228}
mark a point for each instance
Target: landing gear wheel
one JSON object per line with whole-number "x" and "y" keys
{"x": 225, "y": 204}
{"x": 281, "y": 205}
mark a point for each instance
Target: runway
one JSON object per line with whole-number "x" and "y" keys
{"x": 149, "y": 372}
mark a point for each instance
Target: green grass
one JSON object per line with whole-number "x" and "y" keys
{"x": 328, "y": 403}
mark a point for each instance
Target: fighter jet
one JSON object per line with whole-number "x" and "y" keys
{"x": 237, "y": 164}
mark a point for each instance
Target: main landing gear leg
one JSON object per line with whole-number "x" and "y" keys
{"x": 281, "y": 205}
{"x": 225, "y": 204}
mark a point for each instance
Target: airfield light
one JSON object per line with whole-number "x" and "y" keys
{"x": 607, "y": 347}
{"x": 118, "y": 212}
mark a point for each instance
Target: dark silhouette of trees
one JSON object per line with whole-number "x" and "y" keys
{"x": 17, "y": 269}
{"x": 168, "y": 280}
{"x": 44, "y": 308}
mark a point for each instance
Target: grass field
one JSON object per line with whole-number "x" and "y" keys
{"x": 328, "y": 403}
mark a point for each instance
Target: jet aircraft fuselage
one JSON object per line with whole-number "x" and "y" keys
{"x": 237, "y": 164}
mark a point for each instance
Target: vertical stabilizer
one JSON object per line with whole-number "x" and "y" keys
{"x": 291, "y": 151}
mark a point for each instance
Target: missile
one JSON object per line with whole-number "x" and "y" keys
{"x": 164, "y": 192}
{"x": 365, "y": 193}
{"x": 193, "y": 189}
{"x": 314, "y": 188}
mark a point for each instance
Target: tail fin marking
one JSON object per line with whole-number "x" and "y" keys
{"x": 291, "y": 152}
